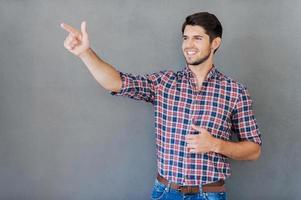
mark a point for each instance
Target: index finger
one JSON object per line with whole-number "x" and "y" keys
{"x": 190, "y": 137}
{"x": 69, "y": 29}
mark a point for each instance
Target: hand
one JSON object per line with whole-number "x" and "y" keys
{"x": 77, "y": 41}
{"x": 200, "y": 143}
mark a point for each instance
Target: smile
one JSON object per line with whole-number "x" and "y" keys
{"x": 191, "y": 53}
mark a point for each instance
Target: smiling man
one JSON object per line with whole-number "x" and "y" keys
{"x": 197, "y": 110}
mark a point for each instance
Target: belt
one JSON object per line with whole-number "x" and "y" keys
{"x": 218, "y": 186}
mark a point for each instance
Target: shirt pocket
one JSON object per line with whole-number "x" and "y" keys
{"x": 216, "y": 119}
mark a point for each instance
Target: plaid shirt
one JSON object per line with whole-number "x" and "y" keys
{"x": 222, "y": 106}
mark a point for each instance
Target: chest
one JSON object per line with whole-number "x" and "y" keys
{"x": 209, "y": 106}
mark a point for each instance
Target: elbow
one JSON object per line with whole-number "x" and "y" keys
{"x": 114, "y": 88}
{"x": 111, "y": 86}
{"x": 256, "y": 154}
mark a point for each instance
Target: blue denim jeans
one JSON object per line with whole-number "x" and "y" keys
{"x": 162, "y": 192}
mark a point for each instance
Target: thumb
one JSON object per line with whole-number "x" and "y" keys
{"x": 197, "y": 128}
{"x": 83, "y": 28}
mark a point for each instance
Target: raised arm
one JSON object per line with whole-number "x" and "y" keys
{"x": 77, "y": 42}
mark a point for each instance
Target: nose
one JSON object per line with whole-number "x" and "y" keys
{"x": 188, "y": 43}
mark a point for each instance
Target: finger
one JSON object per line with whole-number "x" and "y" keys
{"x": 191, "y": 146}
{"x": 70, "y": 29}
{"x": 72, "y": 46}
{"x": 198, "y": 128}
{"x": 68, "y": 43}
{"x": 190, "y": 137}
{"x": 69, "y": 38}
{"x": 74, "y": 42}
{"x": 192, "y": 150}
{"x": 68, "y": 47}
{"x": 190, "y": 143}
{"x": 83, "y": 28}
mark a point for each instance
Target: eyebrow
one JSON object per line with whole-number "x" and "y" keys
{"x": 193, "y": 36}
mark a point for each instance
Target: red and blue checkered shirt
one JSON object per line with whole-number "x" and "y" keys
{"x": 222, "y": 106}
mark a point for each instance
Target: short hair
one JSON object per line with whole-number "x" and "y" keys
{"x": 207, "y": 21}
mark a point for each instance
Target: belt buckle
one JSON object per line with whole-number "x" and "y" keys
{"x": 180, "y": 189}
{"x": 188, "y": 190}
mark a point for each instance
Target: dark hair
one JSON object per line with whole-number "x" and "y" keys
{"x": 207, "y": 21}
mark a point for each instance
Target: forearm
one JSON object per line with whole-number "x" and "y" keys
{"x": 105, "y": 74}
{"x": 244, "y": 150}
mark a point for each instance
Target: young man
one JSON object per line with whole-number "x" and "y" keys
{"x": 196, "y": 111}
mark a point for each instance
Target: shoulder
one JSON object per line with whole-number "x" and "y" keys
{"x": 165, "y": 75}
{"x": 234, "y": 84}
{"x": 237, "y": 90}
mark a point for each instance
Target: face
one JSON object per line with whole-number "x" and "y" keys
{"x": 196, "y": 45}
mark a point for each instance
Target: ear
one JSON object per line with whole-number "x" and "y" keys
{"x": 216, "y": 43}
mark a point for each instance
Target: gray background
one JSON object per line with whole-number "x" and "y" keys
{"x": 62, "y": 136}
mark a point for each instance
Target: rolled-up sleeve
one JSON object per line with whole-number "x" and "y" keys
{"x": 243, "y": 120}
{"x": 140, "y": 87}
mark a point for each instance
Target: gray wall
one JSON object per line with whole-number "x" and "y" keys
{"x": 62, "y": 136}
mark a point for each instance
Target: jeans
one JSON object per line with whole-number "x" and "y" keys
{"x": 162, "y": 192}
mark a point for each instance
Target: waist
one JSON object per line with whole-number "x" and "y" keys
{"x": 218, "y": 186}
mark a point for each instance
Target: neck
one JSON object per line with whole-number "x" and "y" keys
{"x": 201, "y": 71}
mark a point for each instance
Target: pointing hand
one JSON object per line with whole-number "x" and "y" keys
{"x": 77, "y": 41}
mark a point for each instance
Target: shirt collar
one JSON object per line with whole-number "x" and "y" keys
{"x": 211, "y": 74}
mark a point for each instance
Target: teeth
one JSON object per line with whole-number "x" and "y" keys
{"x": 191, "y": 52}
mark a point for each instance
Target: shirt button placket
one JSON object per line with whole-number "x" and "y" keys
{"x": 190, "y": 122}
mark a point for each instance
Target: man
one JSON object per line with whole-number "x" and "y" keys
{"x": 196, "y": 111}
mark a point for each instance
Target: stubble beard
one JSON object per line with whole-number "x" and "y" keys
{"x": 200, "y": 60}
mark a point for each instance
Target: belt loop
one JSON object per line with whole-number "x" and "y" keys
{"x": 168, "y": 186}
{"x": 201, "y": 188}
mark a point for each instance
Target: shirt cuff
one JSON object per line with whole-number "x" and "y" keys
{"x": 256, "y": 139}
{"x": 125, "y": 85}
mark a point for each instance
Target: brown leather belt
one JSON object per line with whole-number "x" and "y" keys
{"x": 218, "y": 186}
